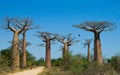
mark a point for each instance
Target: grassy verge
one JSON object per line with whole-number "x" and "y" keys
{"x": 91, "y": 70}
{"x": 22, "y": 69}
{"x": 55, "y": 71}
{"x": 3, "y": 73}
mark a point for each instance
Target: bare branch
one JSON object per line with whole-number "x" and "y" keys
{"x": 9, "y": 21}
{"x": 87, "y": 42}
{"x": 45, "y": 36}
{"x": 94, "y": 26}
{"x": 67, "y": 39}
{"x": 42, "y": 45}
{"x": 18, "y": 24}
{"x": 26, "y": 23}
{"x": 73, "y": 42}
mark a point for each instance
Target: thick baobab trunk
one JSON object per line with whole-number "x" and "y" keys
{"x": 65, "y": 49}
{"x": 47, "y": 59}
{"x": 65, "y": 54}
{"x": 15, "y": 52}
{"x": 97, "y": 49}
{"x": 89, "y": 57}
{"x": 24, "y": 51}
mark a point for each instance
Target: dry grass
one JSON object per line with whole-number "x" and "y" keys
{"x": 55, "y": 71}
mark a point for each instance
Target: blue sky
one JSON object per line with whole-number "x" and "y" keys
{"x": 58, "y": 16}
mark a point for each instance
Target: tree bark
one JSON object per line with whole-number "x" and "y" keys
{"x": 15, "y": 52}
{"x": 24, "y": 51}
{"x": 89, "y": 57}
{"x": 97, "y": 48}
{"x": 65, "y": 56}
{"x": 65, "y": 49}
{"x": 48, "y": 59}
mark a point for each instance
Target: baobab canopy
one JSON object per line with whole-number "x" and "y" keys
{"x": 94, "y": 26}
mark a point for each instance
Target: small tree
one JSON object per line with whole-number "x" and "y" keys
{"x": 40, "y": 62}
{"x": 6, "y": 53}
{"x": 66, "y": 40}
{"x": 96, "y": 28}
{"x": 87, "y": 43}
{"x": 16, "y": 25}
{"x": 47, "y": 38}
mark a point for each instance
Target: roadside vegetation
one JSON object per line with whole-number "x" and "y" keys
{"x": 78, "y": 65}
{"x": 5, "y": 61}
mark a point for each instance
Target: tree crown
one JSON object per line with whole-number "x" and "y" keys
{"x": 96, "y": 27}
{"x": 67, "y": 39}
{"x": 46, "y": 36}
{"x": 87, "y": 42}
{"x": 17, "y": 24}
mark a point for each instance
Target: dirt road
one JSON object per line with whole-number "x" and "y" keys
{"x": 29, "y": 72}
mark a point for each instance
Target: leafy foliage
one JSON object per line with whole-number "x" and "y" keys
{"x": 56, "y": 62}
{"x": 6, "y": 55}
{"x": 76, "y": 65}
{"x": 4, "y": 64}
{"x": 30, "y": 59}
{"x": 40, "y": 62}
{"x": 115, "y": 62}
{"x": 5, "y": 60}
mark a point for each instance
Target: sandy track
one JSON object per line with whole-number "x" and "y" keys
{"x": 29, "y": 72}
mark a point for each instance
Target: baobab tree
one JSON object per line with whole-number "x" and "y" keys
{"x": 24, "y": 43}
{"x": 16, "y": 25}
{"x": 24, "y": 49}
{"x": 87, "y": 43}
{"x": 96, "y": 28}
{"x": 67, "y": 41}
{"x": 47, "y": 38}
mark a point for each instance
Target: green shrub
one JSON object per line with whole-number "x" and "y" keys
{"x": 95, "y": 69}
{"x": 56, "y": 62}
{"x": 4, "y": 65}
{"x": 76, "y": 65}
{"x": 115, "y": 62}
{"x": 40, "y": 62}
